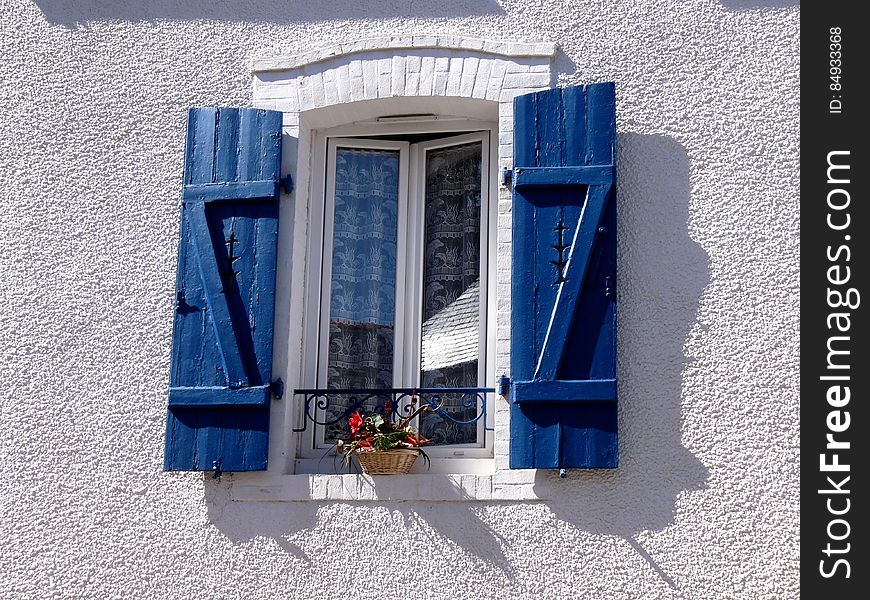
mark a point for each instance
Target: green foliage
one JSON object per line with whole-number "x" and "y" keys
{"x": 375, "y": 434}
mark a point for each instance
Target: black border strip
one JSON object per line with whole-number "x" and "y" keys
{"x": 834, "y": 335}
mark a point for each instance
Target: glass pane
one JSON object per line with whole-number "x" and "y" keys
{"x": 451, "y": 288}
{"x": 363, "y": 300}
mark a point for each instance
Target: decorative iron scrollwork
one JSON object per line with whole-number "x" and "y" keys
{"x": 396, "y": 403}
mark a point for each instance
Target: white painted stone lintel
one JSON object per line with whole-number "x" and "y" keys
{"x": 410, "y": 42}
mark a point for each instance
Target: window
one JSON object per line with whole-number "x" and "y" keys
{"x": 400, "y": 284}
{"x": 562, "y": 275}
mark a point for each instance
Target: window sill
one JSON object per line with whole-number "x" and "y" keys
{"x": 438, "y": 465}
{"x": 516, "y": 485}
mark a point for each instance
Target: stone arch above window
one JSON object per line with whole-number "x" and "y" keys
{"x": 404, "y": 66}
{"x": 401, "y": 67}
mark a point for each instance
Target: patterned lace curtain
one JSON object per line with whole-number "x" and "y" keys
{"x": 451, "y": 287}
{"x": 363, "y": 299}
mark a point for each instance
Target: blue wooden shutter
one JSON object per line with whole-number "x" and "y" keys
{"x": 221, "y": 367}
{"x": 563, "y": 299}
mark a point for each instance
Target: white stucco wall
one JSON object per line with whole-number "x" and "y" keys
{"x": 704, "y": 505}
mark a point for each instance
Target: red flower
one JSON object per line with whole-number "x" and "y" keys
{"x": 356, "y": 421}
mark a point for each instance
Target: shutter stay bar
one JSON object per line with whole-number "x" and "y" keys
{"x": 558, "y": 391}
{"x": 232, "y": 190}
{"x": 558, "y": 176}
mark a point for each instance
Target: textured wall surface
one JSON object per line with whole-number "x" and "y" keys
{"x": 93, "y": 96}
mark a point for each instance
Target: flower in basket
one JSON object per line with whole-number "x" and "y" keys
{"x": 372, "y": 433}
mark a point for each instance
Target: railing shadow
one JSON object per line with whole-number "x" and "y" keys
{"x": 440, "y": 542}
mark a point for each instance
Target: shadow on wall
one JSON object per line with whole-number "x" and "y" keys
{"x": 428, "y": 531}
{"x": 241, "y": 522}
{"x": 662, "y": 274}
{"x": 79, "y": 12}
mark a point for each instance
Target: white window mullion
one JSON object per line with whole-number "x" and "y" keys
{"x": 414, "y": 267}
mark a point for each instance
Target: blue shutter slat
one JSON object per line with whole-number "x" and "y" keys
{"x": 574, "y": 109}
{"x": 600, "y": 125}
{"x": 563, "y": 323}
{"x": 226, "y": 146}
{"x": 263, "y": 283}
{"x": 270, "y": 145}
{"x": 523, "y": 278}
{"x": 223, "y": 334}
{"x": 202, "y": 126}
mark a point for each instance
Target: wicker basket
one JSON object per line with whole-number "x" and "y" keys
{"x": 389, "y": 462}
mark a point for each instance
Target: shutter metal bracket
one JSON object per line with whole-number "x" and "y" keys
{"x": 287, "y": 183}
{"x": 277, "y": 388}
{"x": 506, "y": 178}
{"x": 504, "y": 385}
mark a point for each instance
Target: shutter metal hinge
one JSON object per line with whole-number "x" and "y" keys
{"x": 277, "y": 388}
{"x": 504, "y": 385}
{"x": 287, "y": 183}
{"x": 507, "y": 176}
{"x": 608, "y": 286}
{"x": 216, "y": 469}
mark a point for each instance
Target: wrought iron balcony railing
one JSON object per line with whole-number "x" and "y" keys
{"x": 331, "y": 407}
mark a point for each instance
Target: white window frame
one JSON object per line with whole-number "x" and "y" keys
{"x": 321, "y": 337}
{"x": 470, "y": 458}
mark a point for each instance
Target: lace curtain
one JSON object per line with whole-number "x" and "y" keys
{"x": 451, "y": 286}
{"x": 363, "y": 298}
{"x": 362, "y": 301}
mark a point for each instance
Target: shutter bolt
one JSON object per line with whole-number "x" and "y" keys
{"x": 563, "y": 473}
{"x": 602, "y": 230}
